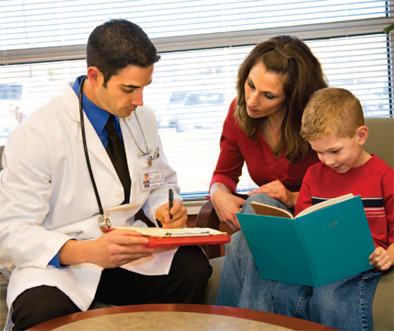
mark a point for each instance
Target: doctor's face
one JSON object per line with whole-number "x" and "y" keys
{"x": 123, "y": 92}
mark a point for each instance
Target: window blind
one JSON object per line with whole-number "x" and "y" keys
{"x": 202, "y": 43}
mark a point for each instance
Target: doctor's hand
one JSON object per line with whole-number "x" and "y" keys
{"x": 111, "y": 250}
{"x": 178, "y": 212}
{"x": 278, "y": 191}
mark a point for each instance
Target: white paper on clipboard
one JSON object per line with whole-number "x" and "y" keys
{"x": 183, "y": 232}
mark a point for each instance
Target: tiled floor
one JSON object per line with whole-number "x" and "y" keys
{"x": 3, "y": 306}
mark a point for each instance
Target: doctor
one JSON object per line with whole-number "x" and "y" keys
{"x": 50, "y": 203}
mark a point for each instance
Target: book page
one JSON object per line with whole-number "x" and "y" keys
{"x": 267, "y": 210}
{"x": 163, "y": 233}
{"x": 324, "y": 204}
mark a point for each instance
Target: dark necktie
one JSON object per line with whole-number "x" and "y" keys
{"x": 117, "y": 154}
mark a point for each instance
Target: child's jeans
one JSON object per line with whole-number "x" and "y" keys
{"x": 345, "y": 304}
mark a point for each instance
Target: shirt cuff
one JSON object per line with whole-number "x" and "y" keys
{"x": 55, "y": 261}
{"x": 224, "y": 180}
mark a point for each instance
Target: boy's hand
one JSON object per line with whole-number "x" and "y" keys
{"x": 278, "y": 191}
{"x": 380, "y": 259}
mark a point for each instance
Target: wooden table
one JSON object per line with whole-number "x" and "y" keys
{"x": 177, "y": 317}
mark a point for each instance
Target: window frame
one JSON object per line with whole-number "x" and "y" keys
{"x": 220, "y": 40}
{"x": 212, "y": 40}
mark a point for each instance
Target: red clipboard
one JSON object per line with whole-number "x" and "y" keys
{"x": 188, "y": 241}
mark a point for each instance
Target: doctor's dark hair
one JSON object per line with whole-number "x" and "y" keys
{"x": 117, "y": 44}
{"x": 300, "y": 73}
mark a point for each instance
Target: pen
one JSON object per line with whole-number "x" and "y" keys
{"x": 170, "y": 200}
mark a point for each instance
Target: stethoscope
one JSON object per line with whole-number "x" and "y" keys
{"x": 103, "y": 222}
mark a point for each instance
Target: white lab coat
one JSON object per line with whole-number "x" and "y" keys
{"x": 46, "y": 195}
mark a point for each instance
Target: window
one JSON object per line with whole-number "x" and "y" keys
{"x": 202, "y": 43}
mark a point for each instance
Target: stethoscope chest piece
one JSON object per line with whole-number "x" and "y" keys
{"x": 104, "y": 223}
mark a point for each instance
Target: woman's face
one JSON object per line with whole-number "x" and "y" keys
{"x": 264, "y": 94}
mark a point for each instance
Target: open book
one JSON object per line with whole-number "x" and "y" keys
{"x": 327, "y": 242}
{"x": 263, "y": 209}
{"x": 159, "y": 237}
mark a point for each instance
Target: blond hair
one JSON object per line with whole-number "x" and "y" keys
{"x": 331, "y": 111}
{"x": 301, "y": 73}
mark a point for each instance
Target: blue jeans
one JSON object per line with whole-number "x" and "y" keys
{"x": 345, "y": 304}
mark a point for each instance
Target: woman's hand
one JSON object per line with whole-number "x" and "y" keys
{"x": 381, "y": 259}
{"x": 278, "y": 191}
{"x": 178, "y": 212}
{"x": 226, "y": 205}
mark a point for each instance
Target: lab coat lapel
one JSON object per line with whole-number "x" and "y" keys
{"x": 129, "y": 147}
{"x": 129, "y": 127}
{"x": 95, "y": 146}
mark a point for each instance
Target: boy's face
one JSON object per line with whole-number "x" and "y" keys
{"x": 342, "y": 154}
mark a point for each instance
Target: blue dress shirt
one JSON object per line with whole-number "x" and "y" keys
{"x": 96, "y": 115}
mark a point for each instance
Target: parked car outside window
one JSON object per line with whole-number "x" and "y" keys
{"x": 193, "y": 110}
{"x": 10, "y": 116}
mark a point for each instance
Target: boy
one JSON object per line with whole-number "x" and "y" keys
{"x": 333, "y": 124}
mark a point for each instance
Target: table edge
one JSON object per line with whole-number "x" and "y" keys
{"x": 270, "y": 318}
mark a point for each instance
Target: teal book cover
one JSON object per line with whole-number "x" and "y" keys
{"x": 314, "y": 249}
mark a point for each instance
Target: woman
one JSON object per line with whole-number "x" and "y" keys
{"x": 262, "y": 129}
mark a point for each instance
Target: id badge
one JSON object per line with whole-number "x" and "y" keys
{"x": 151, "y": 178}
